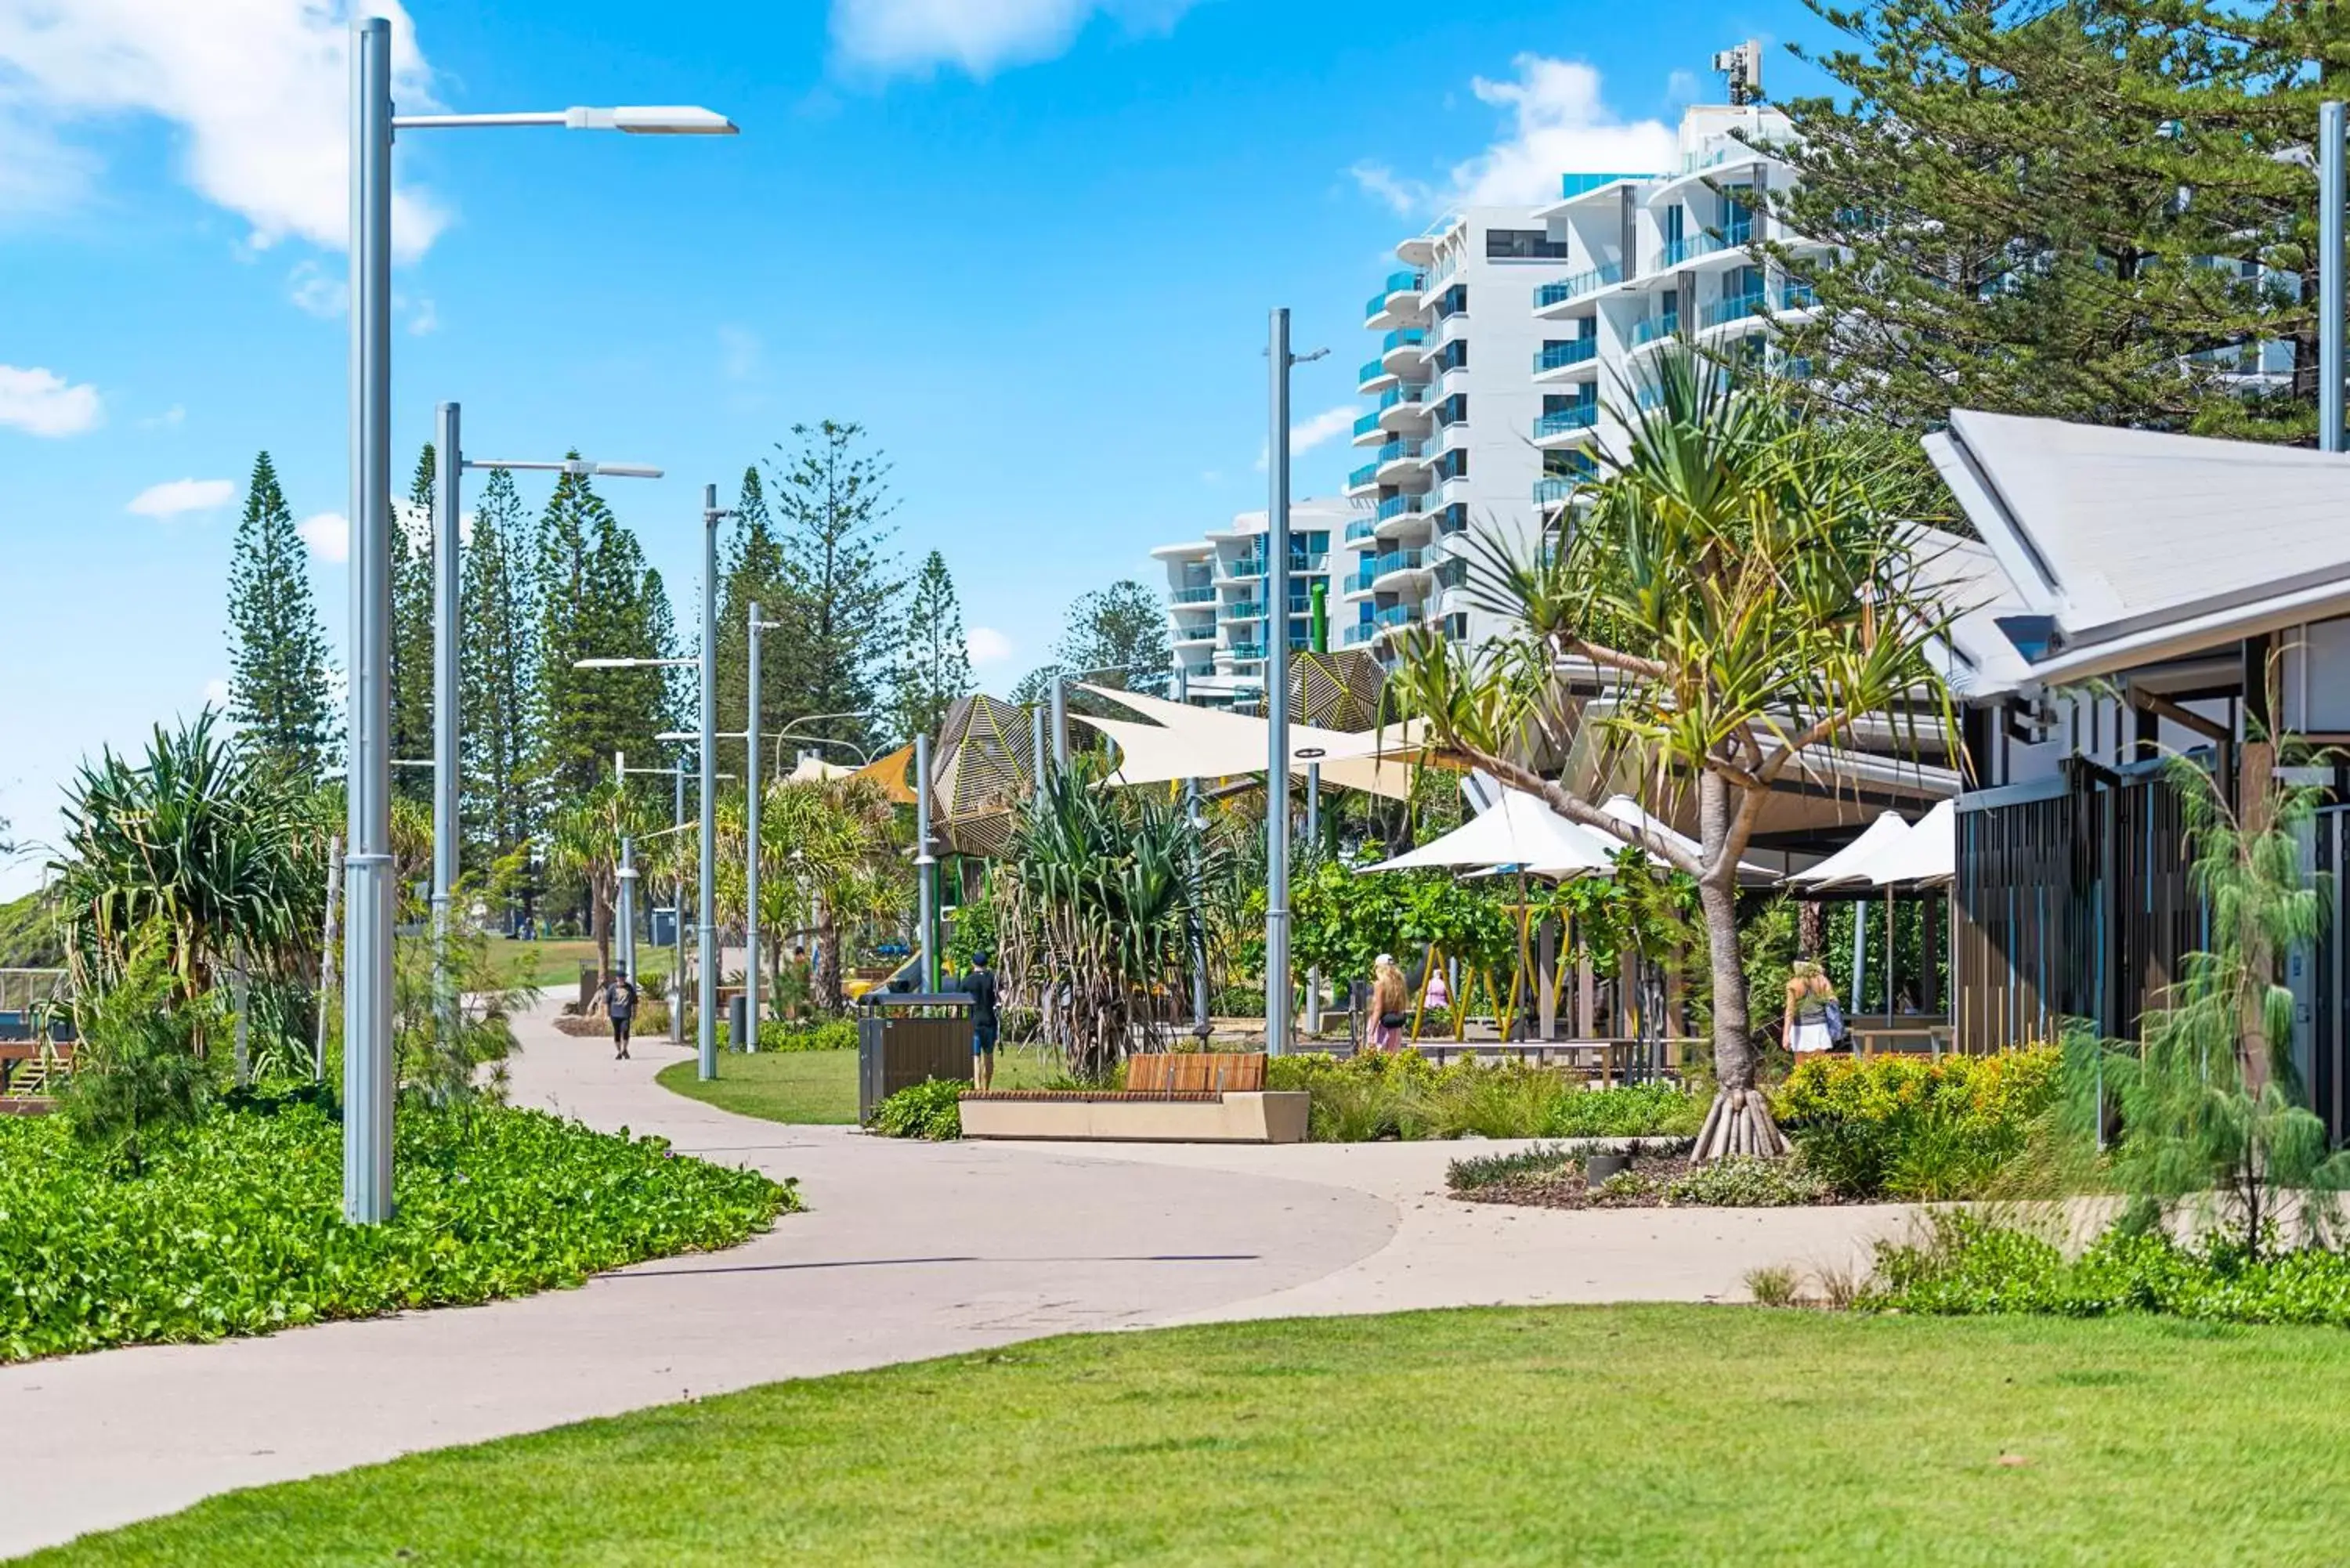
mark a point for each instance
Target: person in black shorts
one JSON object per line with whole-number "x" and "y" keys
{"x": 620, "y": 1006}
{"x": 981, "y": 985}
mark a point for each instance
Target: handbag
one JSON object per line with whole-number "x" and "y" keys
{"x": 1835, "y": 1022}
{"x": 1390, "y": 1020}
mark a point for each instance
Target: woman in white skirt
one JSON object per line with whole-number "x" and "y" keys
{"x": 1811, "y": 1009}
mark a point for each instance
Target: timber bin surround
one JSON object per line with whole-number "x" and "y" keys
{"x": 908, "y": 1038}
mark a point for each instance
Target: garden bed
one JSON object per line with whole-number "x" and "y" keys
{"x": 1657, "y": 1176}
{"x": 235, "y": 1226}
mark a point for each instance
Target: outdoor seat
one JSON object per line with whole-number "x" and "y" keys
{"x": 1196, "y": 1073}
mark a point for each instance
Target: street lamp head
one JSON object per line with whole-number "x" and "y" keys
{"x": 662, "y": 119}
{"x": 630, "y": 663}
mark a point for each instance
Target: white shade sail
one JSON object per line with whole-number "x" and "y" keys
{"x": 1849, "y": 866}
{"x": 1632, "y": 813}
{"x": 1926, "y": 856}
{"x": 1185, "y": 742}
{"x": 1521, "y": 831}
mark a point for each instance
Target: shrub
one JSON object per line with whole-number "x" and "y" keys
{"x": 1912, "y": 1128}
{"x": 931, "y": 1109}
{"x": 234, "y": 1225}
{"x": 1492, "y": 1169}
{"x": 1967, "y": 1265}
{"x": 1773, "y": 1286}
{"x": 1375, "y": 1094}
{"x": 818, "y": 1035}
{"x": 1744, "y": 1181}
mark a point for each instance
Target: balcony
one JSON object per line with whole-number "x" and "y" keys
{"x": 1798, "y": 296}
{"x": 1399, "y": 455}
{"x": 1560, "y": 356}
{"x": 1736, "y": 307}
{"x": 1379, "y": 568}
{"x": 1193, "y": 634}
{"x": 1402, "y": 340}
{"x": 1361, "y": 632}
{"x": 1567, "y": 289}
{"x": 1243, "y": 609}
{"x": 1555, "y": 490}
{"x": 1361, "y": 529}
{"x": 1364, "y": 477}
{"x": 1655, "y": 329}
{"x": 1570, "y": 186}
{"x": 1690, "y": 248}
{"x": 1566, "y": 421}
{"x": 1246, "y": 652}
{"x": 1396, "y": 506}
{"x": 1397, "y": 282}
{"x": 1370, "y": 376}
{"x": 1410, "y": 392}
{"x": 1241, "y": 568}
{"x": 1394, "y": 616}
{"x": 1196, "y": 594}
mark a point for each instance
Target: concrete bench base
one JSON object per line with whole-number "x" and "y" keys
{"x": 1274, "y": 1117}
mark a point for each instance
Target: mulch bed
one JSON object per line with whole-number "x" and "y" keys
{"x": 1565, "y": 1187}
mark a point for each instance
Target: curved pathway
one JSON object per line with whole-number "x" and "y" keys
{"x": 907, "y": 1251}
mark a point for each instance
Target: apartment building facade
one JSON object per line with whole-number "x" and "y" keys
{"x": 1219, "y": 623}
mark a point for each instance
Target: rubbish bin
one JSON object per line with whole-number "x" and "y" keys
{"x": 738, "y": 1028}
{"x": 904, "y": 1038}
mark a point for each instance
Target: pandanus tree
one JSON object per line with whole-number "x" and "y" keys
{"x": 830, "y": 864}
{"x": 1097, "y": 908}
{"x": 1744, "y": 576}
{"x": 202, "y": 855}
{"x": 583, "y": 847}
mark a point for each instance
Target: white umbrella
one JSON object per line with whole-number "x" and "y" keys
{"x": 1521, "y": 831}
{"x": 1850, "y": 864}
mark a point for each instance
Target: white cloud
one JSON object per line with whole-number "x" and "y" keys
{"x": 1307, "y": 434}
{"x": 41, "y": 402}
{"x": 216, "y": 696}
{"x": 328, "y": 535}
{"x": 175, "y": 415}
{"x": 1558, "y": 124}
{"x": 315, "y": 291}
{"x": 258, "y": 89}
{"x": 987, "y": 646}
{"x": 178, "y": 497}
{"x": 977, "y": 36}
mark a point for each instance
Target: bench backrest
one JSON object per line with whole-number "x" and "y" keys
{"x": 1197, "y": 1072}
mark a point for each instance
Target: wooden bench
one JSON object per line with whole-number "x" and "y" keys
{"x": 1196, "y": 1073}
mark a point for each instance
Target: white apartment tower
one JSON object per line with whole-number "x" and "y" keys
{"x": 1217, "y": 590}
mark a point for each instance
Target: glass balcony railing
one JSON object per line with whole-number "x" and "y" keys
{"x": 1379, "y": 566}
{"x": 1369, "y": 422}
{"x": 1361, "y": 529}
{"x": 1370, "y": 373}
{"x": 1552, "y": 489}
{"x": 1400, "y": 451}
{"x": 1577, "y": 285}
{"x": 1689, "y": 247}
{"x": 1570, "y": 186}
{"x": 1247, "y": 652}
{"x": 1403, "y": 338}
{"x": 1362, "y": 631}
{"x": 1362, "y": 476}
{"x": 1196, "y": 594}
{"x": 1559, "y": 356}
{"x": 1243, "y": 609}
{"x": 1397, "y": 282}
{"x": 1411, "y": 393}
{"x": 1451, "y": 574}
{"x": 1798, "y": 296}
{"x": 1581, "y": 417}
{"x": 1394, "y": 616}
{"x": 1656, "y": 327}
{"x": 1398, "y": 505}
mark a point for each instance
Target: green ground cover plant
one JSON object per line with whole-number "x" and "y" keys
{"x": 822, "y": 1034}
{"x": 1966, "y": 1263}
{"x": 1827, "y": 1438}
{"x": 233, "y": 1225}
{"x": 1374, "y": 1094}
{"x": 931, "y": 1110}
{"x": 1912, "y": 1128}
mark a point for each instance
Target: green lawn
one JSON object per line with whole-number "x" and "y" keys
{"x": 1630, "y": 1435}
{"x": 551, "y": 965}
{"x": 811, "y": 1085}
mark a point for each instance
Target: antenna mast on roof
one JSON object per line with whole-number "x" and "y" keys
{"x": 1743, "y": 67}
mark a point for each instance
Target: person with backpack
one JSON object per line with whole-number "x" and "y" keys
{"x": 1814, "y": 1021}
{"x": 621, "y": 1007}
{"x": 979, "y": 983}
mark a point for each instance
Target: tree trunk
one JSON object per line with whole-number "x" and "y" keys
{"x": 827, "y": 947}
{"x": 1740, "y": 1119}
{"x": 1811, "y": 928}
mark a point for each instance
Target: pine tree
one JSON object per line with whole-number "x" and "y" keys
{"x": 1117, "y": 631}
{"x": 840, "y": 580}
{"x": 933, "y": 664}
{"x": 752, "y": 573}
{"x": 277, "y": 647}
{"x": 411, "y": 631}
{"x": 499, "y": 628}
{"x": 2094, "y": 212}
{"x": 593, "y": 603}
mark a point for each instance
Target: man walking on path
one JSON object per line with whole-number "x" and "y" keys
{"x": 620, "y": 1006}
{"x": 980, "y": 984}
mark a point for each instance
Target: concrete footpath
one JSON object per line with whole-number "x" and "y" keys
{"x": 907, "y": 1251}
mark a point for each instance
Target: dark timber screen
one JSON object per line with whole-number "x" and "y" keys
{"x": 2070, "y": 901}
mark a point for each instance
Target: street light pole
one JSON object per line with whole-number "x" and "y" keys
{"x": 369, "y": 1082}
{"x": 1276, "y": 699}
{"x": 627, "y": 900}
{"x": 753, "y": 787}
{"x": 926, "y": 865}
{"x": 676, "y": 930}
{"x": 1198, "y": 822}
{"x": 445, "y": 768}
{"x": 2330, "y": 219}
{"x": 368, "y": 1085}
{"x": 706, "y": 924}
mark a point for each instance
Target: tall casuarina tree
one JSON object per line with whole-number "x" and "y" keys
{"x": 593, "y": 603}
{"x": 1121, "y": 628}
{"x": 832, "y": 500}
{"x": 933, "y": 664}
{"x": 411, "y": 631}
{"x": 277, "y": 645}
{"x": 499, "y": 629}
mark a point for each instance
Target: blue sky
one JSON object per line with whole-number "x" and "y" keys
{"x": 1029, "y": 244}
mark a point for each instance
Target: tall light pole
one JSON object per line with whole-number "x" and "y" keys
{"x": 753, "y": 790}
{"x": 621, "y": 770}
{"x": 706, "y": 901}
{"x": 926, "y": 866}
{"x": 621, "y": 774}
{"x": 2330, "y": 217}
{"x": 1198, "y": 821}
{"x": 447, "y": 765}
{"x": 369, "y": 1084}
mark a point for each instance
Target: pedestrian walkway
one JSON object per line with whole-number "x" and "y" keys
{"x": 907, "y": 1251}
